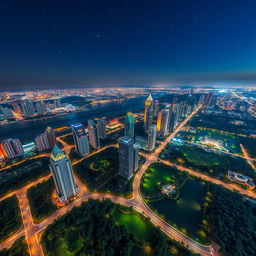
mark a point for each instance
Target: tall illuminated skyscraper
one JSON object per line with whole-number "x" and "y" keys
{"x": 128, "y": 157}
{"x": 63, "y": 176}
{"x": 129, "y": 125}
{"x": 93, "y": 134}
{"x": 51, "y": 136}
{"x": 162, "y": 121}
{"x": 80, "y": 139}
{"x": 151, "y": 137}
{"x": 156, "y": 108}
{"x": 148, "y": 113}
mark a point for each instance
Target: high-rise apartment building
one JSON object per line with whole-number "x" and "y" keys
{"x": 151, "y": 137}
{"x": 13, "y": 148}
{"x": 148, "y": 113}
{"x": 51, "y": 136}
{"x": 27, "y": 107}
{"x": 129, "y": 125}
{"x": 101, "y": 125}
{"x": 80, "y": 139}
{"x": 93, "y": 134}
{"x": 42, "y": 142}
{"x": 63, "y": 176}
{"x": 128, "y": 157}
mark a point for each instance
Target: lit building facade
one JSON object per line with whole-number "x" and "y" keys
{"x": 101, "y": 126}
{"x": 151, "y": 137}
{"x": 80, "y": 139}
{"x": 13, "y": 148}
{"x": 129, "y": 125}
{"x": 63, "y": 176}
{"x": 93, "y": 134}
{"x": 148, "y": 113}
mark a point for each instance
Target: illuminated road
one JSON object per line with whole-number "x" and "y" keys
{"x": 32, "y": 230}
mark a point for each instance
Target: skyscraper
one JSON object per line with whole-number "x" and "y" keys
{"x": 13, "y": 148}
{"x": 148, "y": 113}
{"x": 163, "y": 121}
{"x": 128, "y": 157}
{"x": 93, "y": 134}
{"x": 156, "y": 108}
{"x": 42, "y": 142}
{"x": 129, "y": 125}
{"x": 136, "y": 149}
{"x": 63, "y": 176}
{"x": 51, "y": 136}
{"x": 80, "y": 139}
{"x": 101, "y": 125}
{"x": 151, "y": 137}
{"x": 27, "y": 107}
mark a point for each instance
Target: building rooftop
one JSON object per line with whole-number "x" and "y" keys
{"x": 57, "y": 153}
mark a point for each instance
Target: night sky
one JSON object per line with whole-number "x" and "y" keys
{"x": 104, "y": 43}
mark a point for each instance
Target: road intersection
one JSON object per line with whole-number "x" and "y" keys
{"x": 34, "y": 231}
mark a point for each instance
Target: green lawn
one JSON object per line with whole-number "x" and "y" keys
{"x": 135, "y": 224}
{"x": 40, "y": 200}
{"x": 185, "y": 211}
{"x": 158, "y": 174}
{"x": 10, "y": 217}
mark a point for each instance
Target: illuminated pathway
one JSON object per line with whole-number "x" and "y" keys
{"x": 32, "y": 231}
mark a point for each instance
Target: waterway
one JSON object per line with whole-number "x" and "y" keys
{"x": 27, "y": 130}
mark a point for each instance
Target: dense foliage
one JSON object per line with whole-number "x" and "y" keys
{"x": 10, "y": 218}
{"x": 232, "y": 222}
{"x": 40, "y": 200}
{"x": 213, "y": 164}
{"x": 20, "y": 175}
{"x": 91, "y": 230}
{"x": 19, "y": 248}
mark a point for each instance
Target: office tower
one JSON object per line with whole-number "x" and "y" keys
{"x": 93, "y": 134}
{"x": 151, "y": 137}
{"x": 42, "y": 142}
{"x": 51, "y": 136}
{"x": 129, "y": 125}
{"x": 172, "y": 119}
{"x": 13, "y": 148}
{"x": 62, "y": 175}
{"x": 156, "y": 108}
{"x": 27, "y": 107}
{"x": 148, "y": 113}
{"x": 128, "y": 154}
{"x": 136, "y": 148}
{"x": 163, "y": 121}
{"x": 101, "y": 125}
{"x": 6, "y": 112}
{"x": 40, "y": 107}
{"x": 80, "y": 139}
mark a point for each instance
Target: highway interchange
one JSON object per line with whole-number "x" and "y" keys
{"x": 33, "y": 231}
